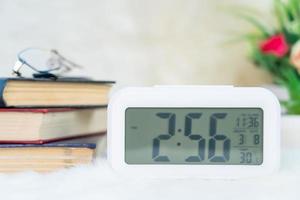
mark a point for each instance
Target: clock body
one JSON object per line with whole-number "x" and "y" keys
{"x": 194, "y": 131}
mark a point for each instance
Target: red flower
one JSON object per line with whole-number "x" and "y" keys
{"x": 275, "y": 45}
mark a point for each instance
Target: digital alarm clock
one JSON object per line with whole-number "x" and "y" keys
{"x": 194, "y": 131}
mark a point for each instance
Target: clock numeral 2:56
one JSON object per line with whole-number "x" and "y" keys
{"x": 214, "y": 137}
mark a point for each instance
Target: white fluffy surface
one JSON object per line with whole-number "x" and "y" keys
{"x": 99, "y": 182}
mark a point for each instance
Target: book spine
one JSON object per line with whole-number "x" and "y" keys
{"x": 3, "y": 83}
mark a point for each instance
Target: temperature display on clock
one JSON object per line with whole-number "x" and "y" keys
{"x": 200, "y": 136}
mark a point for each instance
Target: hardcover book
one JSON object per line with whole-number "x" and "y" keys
{"x": 63, "y": 92}
{"x": 28, "y": 125}
{"x": 44, "y": 157}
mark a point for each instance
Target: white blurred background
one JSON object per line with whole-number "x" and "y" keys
{"x": 135, "y": 42}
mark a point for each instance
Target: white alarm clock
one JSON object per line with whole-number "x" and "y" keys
{"x": 194, "y": 131}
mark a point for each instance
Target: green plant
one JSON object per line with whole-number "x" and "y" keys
{"x": 277, "y": 49}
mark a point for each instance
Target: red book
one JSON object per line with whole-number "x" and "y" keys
{"x": 38, "y": 126}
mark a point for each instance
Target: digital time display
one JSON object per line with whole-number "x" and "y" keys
{"x": 200, "y": 136}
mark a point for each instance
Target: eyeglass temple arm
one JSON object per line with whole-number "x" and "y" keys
{"x": 17, "y": 67}
{"x": 66, "y": 60}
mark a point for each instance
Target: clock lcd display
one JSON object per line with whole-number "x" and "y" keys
{"x": 199, "y": 136}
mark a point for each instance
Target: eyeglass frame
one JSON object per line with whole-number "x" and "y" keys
{"x": 66, "y": 63}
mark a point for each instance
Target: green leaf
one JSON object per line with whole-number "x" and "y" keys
{"x": 294, "y": 8}
{"x": 290, "y": 37}
{"x": 288, "y": 16}
{"x": 247, "y": 37}
{"x": 280, "y": 13}
{"x": 256, "y": 24}
{"x": 292, "y": 107}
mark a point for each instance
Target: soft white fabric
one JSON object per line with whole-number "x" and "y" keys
{"x": 99, "y": 182}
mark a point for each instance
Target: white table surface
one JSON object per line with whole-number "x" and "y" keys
{"x": 99, "y": 182}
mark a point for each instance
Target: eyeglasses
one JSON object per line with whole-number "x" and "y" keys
{"x": 44, "y": 63}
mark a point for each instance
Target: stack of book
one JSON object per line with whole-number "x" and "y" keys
{"x": 47, "y": 125}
